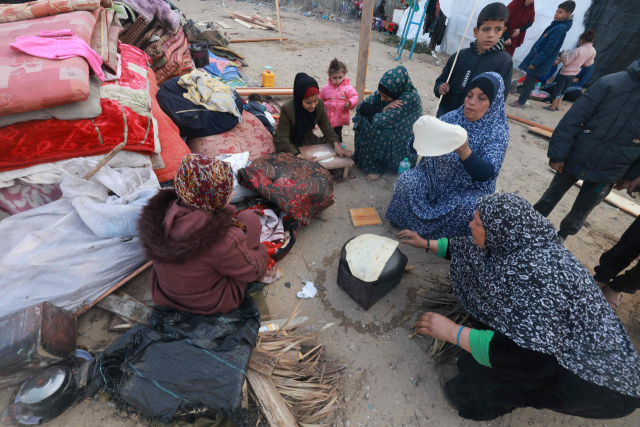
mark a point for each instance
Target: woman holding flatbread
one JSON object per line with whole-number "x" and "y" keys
{"x": 542, "y": 334}
{"x": 383, "y": 123}
{"x": 299, "y": 117}
{"x": 438, "y": 197}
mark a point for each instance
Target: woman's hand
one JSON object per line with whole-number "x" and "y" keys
{"x": 412, "y": 238}
{"x": 437, "y": 326}
{"x": 508, "y": 42}
{"x": 464, "y": 151}
{"x": 443, "y": 89}
{"x": 394, "y": 104}
{"x": 515, "y": 33}
{"x": 340, "y": 150}
{"x": 302, "y": 156}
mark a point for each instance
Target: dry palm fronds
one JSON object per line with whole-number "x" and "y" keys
{"x": 308, "y": 384}
{"x": 442, "y": 300}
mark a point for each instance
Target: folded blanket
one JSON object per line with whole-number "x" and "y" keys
{"x": 41, "y": 8}
{"x": 157, "y": 9}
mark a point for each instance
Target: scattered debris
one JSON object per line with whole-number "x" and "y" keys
{"x": 308, "y": 291}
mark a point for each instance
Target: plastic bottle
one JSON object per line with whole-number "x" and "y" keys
{"x": 268, "y": 77}
{"x": 536, "y": 90}
{"x": 404, "y": 166}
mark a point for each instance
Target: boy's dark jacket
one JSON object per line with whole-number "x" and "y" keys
{"x": 257, "y": 110}
{"x": 470, "y": 63}
{"x": 545, "y": 51}
{"x": 599, "y": 137}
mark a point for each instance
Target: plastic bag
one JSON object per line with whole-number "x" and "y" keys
{"x": 70, "y": 251}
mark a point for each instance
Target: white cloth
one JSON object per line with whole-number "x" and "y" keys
{"x": 237, "y": 162}
{"x": 70, "y": 251}
{"x": 272, "y": 227}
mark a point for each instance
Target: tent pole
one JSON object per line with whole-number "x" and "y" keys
{"x": 279, "y": 22}
{"x": 363, "y": 49}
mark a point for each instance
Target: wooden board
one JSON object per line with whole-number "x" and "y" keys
{"x": 223, "y": 25}
{"x": 243, "y": 23}
{"x": 263, "y": 362}
{"x": 620, "y": 202}
{"x": 363, "y": 48}
{"x": 540, "y": 131}
{"x": 273, "y": 405}
{"x": 363, "y": 217}
{"x": 272, "y": 39}
{"x": 336, "y": 163}
{"x": 126, "y": 307}
{"x": 529, "y": 122}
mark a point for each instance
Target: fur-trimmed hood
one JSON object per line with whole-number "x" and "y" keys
{"x": 163, "y": 250}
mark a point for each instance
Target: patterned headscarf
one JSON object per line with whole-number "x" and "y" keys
{"x": 204, "y": 183}
{"x": 397, "y": 81}
{"x": 527, "y": 286}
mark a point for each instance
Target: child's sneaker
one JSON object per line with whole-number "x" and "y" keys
{"x": 516, "y": 104}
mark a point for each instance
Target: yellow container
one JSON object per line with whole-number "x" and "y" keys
{"x": 268, "y": 78}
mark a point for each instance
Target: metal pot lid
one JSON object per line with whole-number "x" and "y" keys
{"x": 43, "y": 385}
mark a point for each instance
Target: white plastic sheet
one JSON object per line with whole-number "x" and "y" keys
{"x": 70, "y": 251}
{"x": 237, "y": 162}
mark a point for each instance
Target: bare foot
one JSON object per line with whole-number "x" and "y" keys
{"x": 612, "y": 297}
{"x": 373, "y": 177}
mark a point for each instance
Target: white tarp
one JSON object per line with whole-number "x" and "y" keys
{"x": 458, "y": 17}
{"x": 70, "y": 251}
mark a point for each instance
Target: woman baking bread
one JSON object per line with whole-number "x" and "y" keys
{"x": 299, "y": 116}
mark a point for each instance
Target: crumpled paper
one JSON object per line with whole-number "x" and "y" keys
{"x": 308, "y": 291}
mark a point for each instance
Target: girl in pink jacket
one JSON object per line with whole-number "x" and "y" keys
{"x": 339, "y": 96}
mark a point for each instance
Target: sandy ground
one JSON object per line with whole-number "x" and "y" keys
{"x": 382, "y": 360}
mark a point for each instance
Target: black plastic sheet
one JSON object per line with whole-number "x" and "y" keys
{"x": 181, "y": 362}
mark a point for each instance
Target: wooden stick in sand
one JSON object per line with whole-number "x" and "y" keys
{"x": 104, "y": 161}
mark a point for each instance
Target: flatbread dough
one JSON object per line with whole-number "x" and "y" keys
{"x": 324, "y": 153}
{"x": 367, "y": 255}
{"x": 434, "y": 137}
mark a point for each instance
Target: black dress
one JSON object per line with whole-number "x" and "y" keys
{"x": 520, "y": 378}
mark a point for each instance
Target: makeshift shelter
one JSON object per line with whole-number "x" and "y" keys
{"x": 457, "y": 22}
{"x": 617, "y": 25}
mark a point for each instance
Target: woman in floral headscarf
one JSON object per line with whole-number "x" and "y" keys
{"x": 202, "y": 257}
{"x": 543, "y": 336}
{"x": 384, "y": 123}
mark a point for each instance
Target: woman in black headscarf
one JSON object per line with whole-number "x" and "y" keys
{"x": 380, "y": 12}
{"x": 545, "y": 336}
{"x": 299, "y": 116}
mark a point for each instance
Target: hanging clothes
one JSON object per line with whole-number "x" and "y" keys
{"x": 431, "y": 17}
{"x": 438, "y": 197}
{"x": 521, "y": 17}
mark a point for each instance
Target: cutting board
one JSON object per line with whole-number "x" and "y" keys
{"x": 363, "y": 217}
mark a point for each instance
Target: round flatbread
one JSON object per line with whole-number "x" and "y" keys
{"x": 434, "y": 137}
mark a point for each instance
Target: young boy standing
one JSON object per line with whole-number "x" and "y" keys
{"x": 486, "y": 53}
{"x": 545, "y": 51}
{"x": 597, "y": 141}
{"x": 582, "y": 56}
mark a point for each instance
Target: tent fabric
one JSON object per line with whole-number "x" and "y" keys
{"x": 545, "y": 9}
{"x": 617, "y": 26}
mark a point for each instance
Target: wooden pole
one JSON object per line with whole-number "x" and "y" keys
{"x": 271, "y": 39}
{"x": 279, "y": 22}
{"x": 105, "y": 160}
{"x": 363, "y": 50}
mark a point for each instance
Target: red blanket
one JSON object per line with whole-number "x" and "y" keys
{"x": 43, "y": 141}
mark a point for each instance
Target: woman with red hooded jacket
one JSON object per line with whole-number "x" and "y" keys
{"x": 522, "y": 13}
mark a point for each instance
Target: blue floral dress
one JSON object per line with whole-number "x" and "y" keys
{"x": 380, "y": 144}
{"x": 438, "y": 198}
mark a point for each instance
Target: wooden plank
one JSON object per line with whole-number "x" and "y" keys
{"x": 363, "y": 49}
{"x": 620, "y": 202}
{"x": 540, "y": 131}
{"x": 273, "y": 91}
{"x": 363, "y": 217}
{"x": 270, "y": 39}
{"x": 263, "y": 362}
{"x": 274, "y": 406}
{"x": 114, "y": 287}
{"x": 279, "y": 22}
{"x": 243, "y": 23}
{"x": 119, "y": 325}
{"x": 223, "y": 25}
{"x": 529, "y": 122}
{"x": 126, "y": 307}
